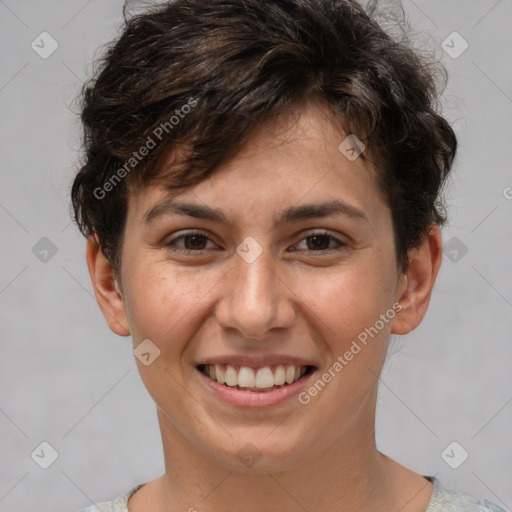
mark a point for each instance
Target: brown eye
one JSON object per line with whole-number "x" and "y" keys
{"x": 194, "y": 242}
{"x": 190, "y": 243}
{"x": 319, "y": 242}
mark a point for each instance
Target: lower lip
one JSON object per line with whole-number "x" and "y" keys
{"x": 260, "y": 399}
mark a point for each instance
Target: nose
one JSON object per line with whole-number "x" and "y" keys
{"x": 255, "y": 298}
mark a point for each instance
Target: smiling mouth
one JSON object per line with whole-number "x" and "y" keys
{"x": 244, "y": 378}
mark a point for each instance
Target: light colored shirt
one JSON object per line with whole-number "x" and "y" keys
{"x": 442, "y": 500}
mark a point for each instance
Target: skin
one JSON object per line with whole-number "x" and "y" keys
{"x": 305, "y": 302}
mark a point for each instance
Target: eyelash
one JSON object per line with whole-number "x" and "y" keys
{"x": 172, "y": 243}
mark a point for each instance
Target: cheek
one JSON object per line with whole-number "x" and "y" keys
{"x": 347, "y": 301}
{"x": 162, "y": 299}
{"x": 166, "y": 305}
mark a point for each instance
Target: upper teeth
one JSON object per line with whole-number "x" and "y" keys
{"x": 261, "y": 378}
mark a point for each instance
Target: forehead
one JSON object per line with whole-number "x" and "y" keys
{"x": 297, "y": 158}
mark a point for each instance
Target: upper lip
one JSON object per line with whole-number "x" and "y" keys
{"x": 257, "y": 361}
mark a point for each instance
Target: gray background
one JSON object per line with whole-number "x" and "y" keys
{"x": 67, "y": 380}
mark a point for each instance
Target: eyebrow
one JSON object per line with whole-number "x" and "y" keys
{"x": 291, "y": 214}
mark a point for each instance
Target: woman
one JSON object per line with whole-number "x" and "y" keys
{"x": 261, "y": 198}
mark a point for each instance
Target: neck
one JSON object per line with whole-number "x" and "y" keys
{"x": 347, "y": 474}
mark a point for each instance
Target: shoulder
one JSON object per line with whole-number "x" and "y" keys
{"x": 450, "y": 500}
{"x": 120, "y": 504}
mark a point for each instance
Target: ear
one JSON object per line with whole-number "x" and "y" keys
{"x": 417, "y": 283}
{"x": 106, "y": 289}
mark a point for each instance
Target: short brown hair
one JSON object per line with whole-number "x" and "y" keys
{"x": 237, "y": 64}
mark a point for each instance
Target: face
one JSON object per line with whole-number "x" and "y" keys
{"x": 284, "y": 258}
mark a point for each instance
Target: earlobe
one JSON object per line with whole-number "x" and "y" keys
{"x": 418, "y": 282}
{"x": 106, "y": 289}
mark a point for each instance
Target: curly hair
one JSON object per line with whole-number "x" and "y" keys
{"x": 197, "y": 76}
